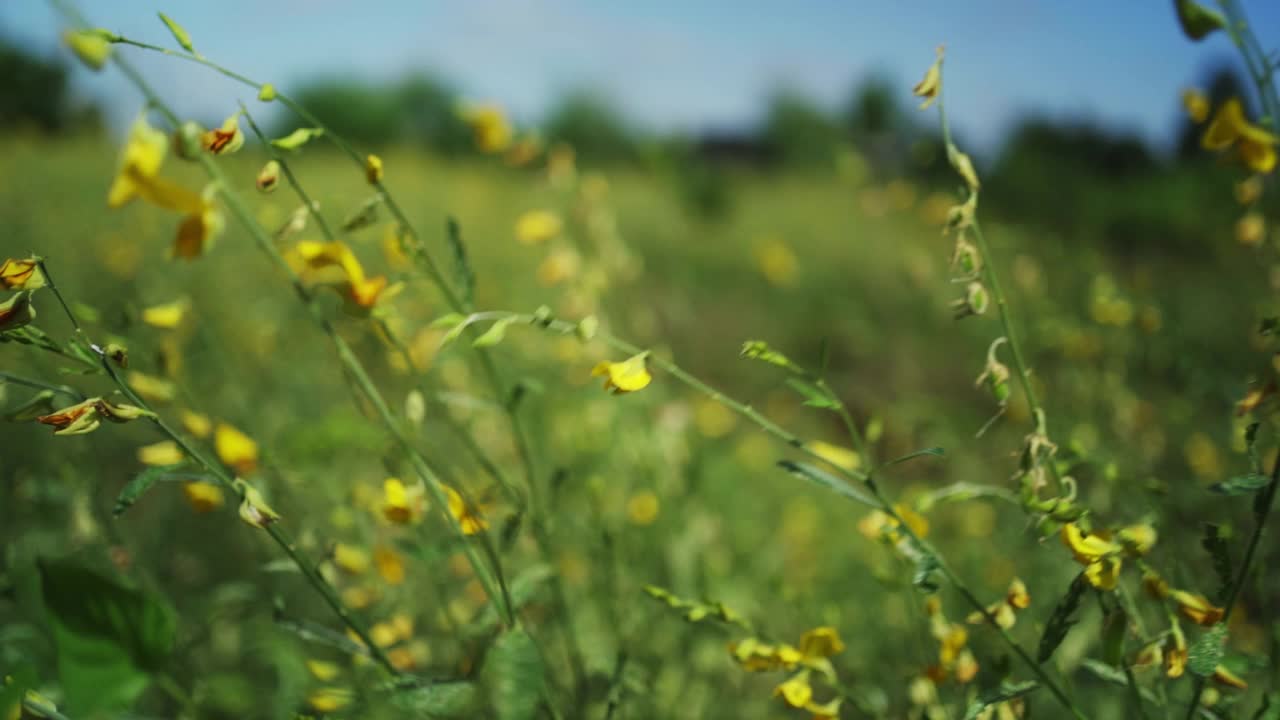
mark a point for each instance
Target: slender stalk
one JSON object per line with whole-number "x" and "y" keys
{"x": 274, "y": 531}
{"x": 346, "y": 355}
{"x": 7, "y": 377}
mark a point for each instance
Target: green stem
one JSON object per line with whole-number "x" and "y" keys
{"x": 216, "y": 469}
{"x": 42, "y": 385}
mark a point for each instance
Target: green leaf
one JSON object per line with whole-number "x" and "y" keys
{"x": 926, "y": 565}
{"x": 40, "y": 404}
{"x": 439, "y": 700}
{"x": 16, "y": 681}
{"x": 466, "y": 277}
{"x": 1001, "y": 693}
{"x": 495, "y": 334}
{"x": 1241, "y": 484}
{"x": 513, "y": 675}
{"x": 1062, "y": 619}
{"x": 109, "y": 637}
{"x": 813, "y": 395}
{"x": 961, "y": 492}
{"x": 1215, "y": 543}
{"x": 829, "y": 481}
{"x": 1196, "y": 20}
{"x": 1114, "y": 627}
{"x": 179, "y": 33}
{"x": 1206, "y": 653}
{"x": 524, "y": 589}
{"x": 364, "y": 216}
{"x": 1270, "y": 709}
{"x": 927, "y": 452}
{"x": 452, "y": 320}
{"x": 760, "y": 350}
{"x": 143, "y": 481}
{"x": 1115, "y": 676}
{"x": 297, "y": 138}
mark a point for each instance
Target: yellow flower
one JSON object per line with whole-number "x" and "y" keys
{"x": 1229, "y": 127}
{"x": 356, "y": 287}
{"x": 1018, "y": 596}
{"x": 21, "y": 274}
{"x": 373, "y": 169}
{"x": 841, "y": 457}
{"x": 167, "y": 316}
{"x": 390, "y": 564}
{"x": 879, "y": 525}
{"x": 139, "y": 162}
{"x": 152, "y": 388}
{"x": 203, "y": 496}
{"x": 1097, "y": 553}
{"x": 1105, "y": 573}
{"x": 85, "y": 417}
{"x": 322, "y": 670}
{"x": 1175, "y": 654}
{"x": 350, "y": 559}
{"x": 1137, "y": 539}
{"x": 235, "y": 449}
{"x": 776, "y": 262}
{"x": 268, "y": 177}
{"x": 1223, "y": 676}
{"x": 92, "y": 47}
{"x": 329, "y": 699}
{"x": 627, "y": 376}
{"x": 559, "y": 265}
{"x": 489, "y": 126}
{"x": 1251, "y": 229}
{"x": 17, "y": 311}
{"x": 1197, "y": 608}
{"x": 1197, "y": 105}
{"x": 197, "y": 231}
{"x": 196, "y": 424}
{"x": 468, "y": 516}
{"x": 165, "y": 452}
{"x": 642, "y": 508}
{"x": 226, "y": 139}
{"x": 538, "y": 226}
{"x": 821, "y": 642}
{"x": 931, "y": 85}
{"x": 796, "y": 691}
{"x": 402, "y": 505}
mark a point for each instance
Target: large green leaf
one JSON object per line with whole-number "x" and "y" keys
{"x": 109, "y": 637}
{"x": 439, "y": 700}
{"x": 513, "y": 675}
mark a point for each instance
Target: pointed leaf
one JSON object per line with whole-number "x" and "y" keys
{"x": 466, "y": 277}
{"x": 297, "y": 138}
{"x": 1001, "y": 693}
{"x": 813, "y": 395}
{"x": 1241, "y": 484}
{"x": 439, "y": 700}
{"x": 494, "y": 335}
{"x": 179, "y": 33}
{"x": 927, "y": 452}
{"x": 513, "y": 673}
{"x": 1062, "y": 619}
{"x": 143, "y": 481}
{"x": 1196, "y": 20}
{"x": 829, "y": 481}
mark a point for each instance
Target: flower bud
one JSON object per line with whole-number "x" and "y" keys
{"x": 269, "y": 177}
{"x": 373, "y": 169}
{"x": 267, "y": 92}
{"x": 90, "y": 46}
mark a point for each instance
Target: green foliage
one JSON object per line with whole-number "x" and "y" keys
{"x": 589, "y": 122}
{"x": 34, "y": 93}
{"x": 513, "y": 674}
{"x": 110, "y": 638}
{"x": 1206, "y": 653}
{"x": 801, "y": 133}
{"x": 1062, "y": 619}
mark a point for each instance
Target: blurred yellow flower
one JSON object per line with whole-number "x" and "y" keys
{"x": 355, "y": 287}
{"x": 776, "y": 262}
{"x": 929, "y": 87}
{"x": 468, "y": 516}
{"x": 168, "y": 315}
{"x": 1223, "y": 676}
{"x": 165, "y": 452}
{"x": 350, "y": 559}
{"x": 1175, "y": 652}
{"x": 390, "y": 564}
{"x": 254, "y": 509}
{"x": 489, "y": 126}
{"x": 538, "y": 226}
{"x": 373, "y": 169}
{"x": 195, "y": 423}
{"x": 1229, "y": 127}
{"x": 627, "y": 376}
{"x": 841, "y": 457}
{"x": 235, "y": 449}
{"x": 329, "y": 699}
{"x": 559, "y": 265}
{"x": 92, "y": 47}
{"x": 1099, "y": 555}
{"x": 402, "y": 505}
{"x": 139, "y": 162}
{"x": 323, "y": 670}
{"x": 203, "y": 496}
{"x": 1197, "y": 608}
{"x": 1251, "y": 229}
{"x": 1196, "y": 104}
{"x": 879, "y": 525}
{"x": 268, "y": 177}
{"x": 642, "y": 508}
{"x": 796, "y": 691}
{"x": 23, "y": 274}
{"x": 1137, "y": 539}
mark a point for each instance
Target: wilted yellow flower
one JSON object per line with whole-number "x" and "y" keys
{"x": 357, "y": 288}
{"x": 1197, "y": 608}
{"x": 165, "y": 452}
{"x": 538, "y": 226}
{"x": 627, "y": 376}
{"x": 1175, "y": 652}
{"x": 373, "y": 169}
{"x": 390, "y": 564}
{"x": 642, "y": 508}
{"x": 17, "y": 311}
{"x": 841, "y": 457}
{"x": 1229, "y": 127}
{"x": 86, "y": 416}
{"x": 489, "y": 126}
{"x": 329, "y": 699}
{"x": 821, "y": 642}
{"x": 402, "y": 505}
{"x": 225, "y": 139}
{"x": 22, "y": 274}
{"x": 254, "y": 509}
{"x": 1223, "y": 676}
{"x": 203, "y": 496}
{"x": 235, "y": 449}
{"x": 197, "y": 232}
{"x": 468, "y": 516}
{"x": 268, "y": 177}
{"x": 1137, "y": 539}
{"x": 1196, "y": 104}
{"x": 168, "y": 315}
{"x": 929, "y": 87}
{"x": 350, "y": 559}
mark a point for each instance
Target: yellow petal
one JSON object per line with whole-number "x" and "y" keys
{"x": 1226, "y": 125}
{"x": 821, "y": 642}
{"x": 627, "y": 376}
{"x": 225, "y": 139}
{"x": 1087, "y": 549}
{"x": 18, "y": 274}
{"x": 235, "y": 449}
{"x": 929, "y": 87}
{"x": 373, "y": 169}
{"x": 203, "y": 496}
{"x": 1197, "y": 608}
{"x": 196, "y": 424}
{"x": 160, "y": 454}
{"x": 197, "y": 232}
{"x": 1197, "y": 105}
{"x": 168, "y": 315}
{"x": 1137, "y": 539}
{"x": 139, "y": 161}
{"x": 841, "y": 457}
{"x": 1104, "y": 574}
{"x": 329, "y": 699}
{"x": 538, "y": 226}
{"x": 323, "y": 670}
{"x": 390, "y": 564}
{"x": 402, "y": 505}
{"x": 350, "y": 559}
{"x": 796, "y": 691}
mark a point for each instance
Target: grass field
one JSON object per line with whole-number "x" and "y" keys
{"x": 1139, "y": 359}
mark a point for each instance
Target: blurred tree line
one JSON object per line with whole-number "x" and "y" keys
{"x": 1073, "y": 177}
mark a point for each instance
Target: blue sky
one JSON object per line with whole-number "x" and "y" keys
{"x": 673, "y": 64}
